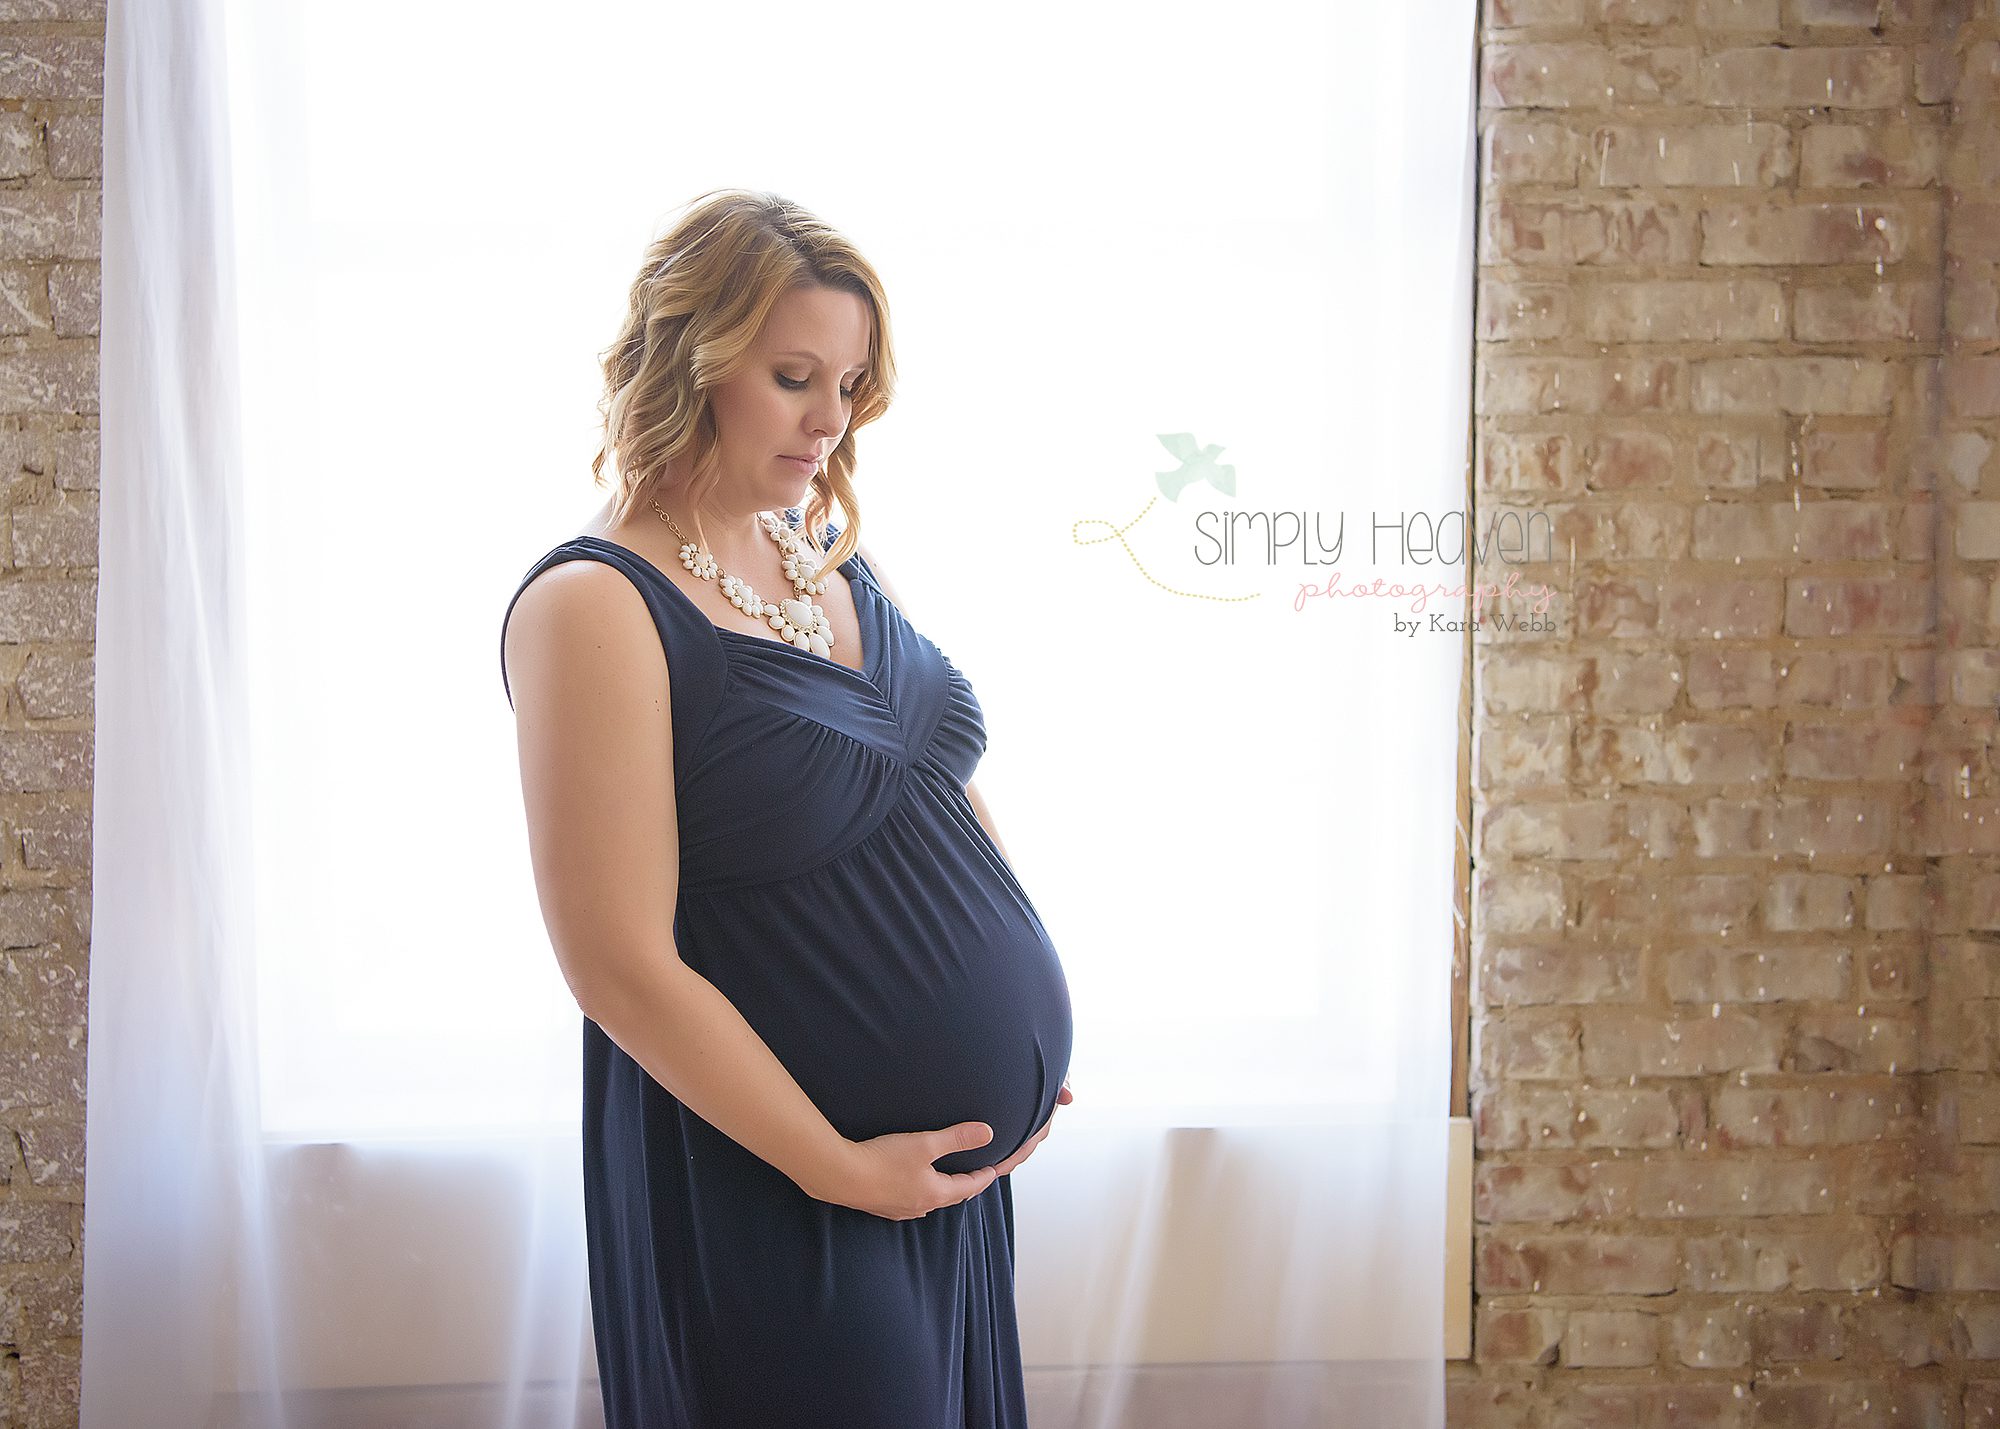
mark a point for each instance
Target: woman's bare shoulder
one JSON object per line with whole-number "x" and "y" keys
{"x": 583, "y": 620}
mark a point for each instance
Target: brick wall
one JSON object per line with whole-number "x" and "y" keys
{"x": 51, "y": 91}
{"x": 1737, "y": 820}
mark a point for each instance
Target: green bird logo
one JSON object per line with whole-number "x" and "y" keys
{"x": 1197, "y": 463}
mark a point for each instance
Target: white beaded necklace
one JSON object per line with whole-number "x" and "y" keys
{"x": 798, "y": 620}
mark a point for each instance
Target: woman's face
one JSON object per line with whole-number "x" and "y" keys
{"x": 793, "y": 400}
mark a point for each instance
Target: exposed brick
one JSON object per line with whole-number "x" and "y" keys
{"x": 76, "y": 146}
{"x": 1510, "y": 14}
{"x": 1763, "y": 232}
{"x": 76, "y": 458}
{"x": 1535, "y": 1044}
{"x": 1963, "y": 457}
{"x": 1714, "y": 608}
{"x": 1857, "y": 750}
{"x": 1542, "y": 975}
{"x": 1524, "y": 753}
{"x": 1577, "y": 1265}
{"x": 1868, "y": 312}
{"x": 70, "y": 11}
{"x": 1711, "y": 1339}
{"x": 1820, "y": 386}
{"x": 40, "y": 1076}
{"x": 1730, "y": 460}
{"x": 1606, "y": 232}
{"x": 1972, "y": 387}
{"x": 1853, "y": 1042}
{"x": 1522, "y": 149}
{"x": 1859, "y": 77}
{"x": 1777, "y": 973}
{"x": 1844, "y": 461}
{"x": 1522, "y": 902}
{"x": 1857, "y": 605}
{"x": 1542, "y": 385}
{"x": 1618, "y": 1043}
{"x": 1731, "y": 679}
{"x": 1640, "y": 12}
{"x": 1610, "y": 1338}
{"x": 1809, "y": 902}
{"x": 1787, "y": 1334}
{"x": 1897, "y": 901}
{"x": 1704, "y": 156}
{"x": 1970, "y": 234}
{"x": 1820, "y": 14}
{"x": 1743, "y": 310}
{"x": 73, "y": 299}
{"x": 1945, "y": 1262}
{"x": 1585, "y": 75}
{"x": 54, "y": 831}
{"x": 52, "y": 1145}
{"x": 1736, "y": 14}
{"x": 1816, "y": 1116}
{"x": 1980, "y": 1326}
{"x": 20, "y": 146}
{"x": 52, "y": 67}
{"x": 1518, "y": 1336}
{"x": 40, "y": 760}
{"x": 49, "y": 379}
{"x": 1623, "y": 461}
{"x": 1836, "y": 679}
{"x": 23, "y": 291}
{"x": 1522, "y": 311}
{"x": 1523, "y": 1116}
{"x": 1894, "y": 156}
{"x": 49, "y": 223}
{"x": 36, "y": 1230}
{"x": 47, "y": 610}
{"x": 57, "y": 535}
{"x": 1833, "y": 1259}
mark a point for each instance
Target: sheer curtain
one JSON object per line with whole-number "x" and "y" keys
{"x": 358, "y": 261}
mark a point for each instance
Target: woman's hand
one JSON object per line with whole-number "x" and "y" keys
{"x": 1063, "y": 1098}
{"x": 892, "y": 1176}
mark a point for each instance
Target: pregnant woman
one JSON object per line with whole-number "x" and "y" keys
{"x": 822, "y": 1020}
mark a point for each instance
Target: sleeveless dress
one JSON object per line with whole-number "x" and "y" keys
{"x": 837, "y": 887}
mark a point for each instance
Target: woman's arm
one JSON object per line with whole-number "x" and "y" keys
{"x": 592, "y": 714}
{"x": 979, "y": 808}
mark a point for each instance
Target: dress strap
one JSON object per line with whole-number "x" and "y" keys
{"x": 687, "y": 637}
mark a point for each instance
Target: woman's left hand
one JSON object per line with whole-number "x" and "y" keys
{"x": 1064, "y": 1096}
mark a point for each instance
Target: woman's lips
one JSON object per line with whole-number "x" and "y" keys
{"x": 804, "y": 464}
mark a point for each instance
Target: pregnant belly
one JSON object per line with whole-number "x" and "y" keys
{"x": 889, "y": 1028}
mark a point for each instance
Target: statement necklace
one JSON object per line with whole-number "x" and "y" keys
{"x": 798, "y": 620}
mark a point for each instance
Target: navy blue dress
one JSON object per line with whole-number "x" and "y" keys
{"x": 837, "y": 887}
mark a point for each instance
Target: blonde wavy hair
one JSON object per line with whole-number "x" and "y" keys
{"x": 701, "y": 298}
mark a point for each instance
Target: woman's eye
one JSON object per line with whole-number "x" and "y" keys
{"x": 793, "y": 384}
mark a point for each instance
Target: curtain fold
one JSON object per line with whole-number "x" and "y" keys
{"x": 1275, "y": 1271}
{"x": 175, "y": 1206}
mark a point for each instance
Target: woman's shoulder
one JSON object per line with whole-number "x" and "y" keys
{"x": 559, "y": 605}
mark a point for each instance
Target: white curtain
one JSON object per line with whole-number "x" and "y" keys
{"x": 358, "y": 260}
